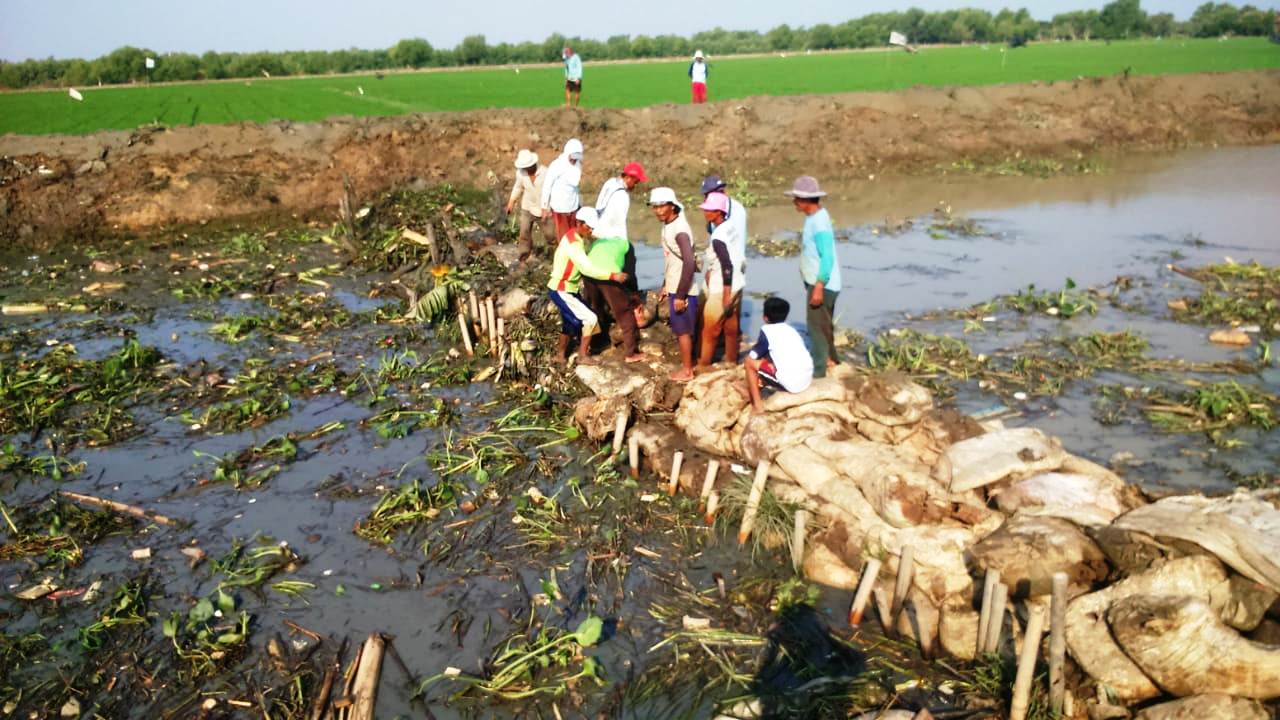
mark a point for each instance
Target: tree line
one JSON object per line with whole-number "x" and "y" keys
{"x": 1117, "y": 20}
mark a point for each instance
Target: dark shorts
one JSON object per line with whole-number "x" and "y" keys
{"x": 575, "y": 85}
{"x": 683, "y": 323}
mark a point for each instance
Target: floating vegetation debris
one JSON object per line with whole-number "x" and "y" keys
{"x": 410, "y": 507}
{"x": 56, "y": 531}
{"x": 1212, "y": 409}
{"x": 1065, "y": 303}
{"x": 83, "y": 399}
{"x": 211, "y": 635}
{"x": 528, "y": 666}
{"x": 1233, "y": 293}
{"x": 54, "y": 467}
{"x": 250, "y": 564}
{"x": 1018, "y": 165}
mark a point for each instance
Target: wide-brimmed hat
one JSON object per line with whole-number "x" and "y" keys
{"x": 589, "y": 216}
{"x": 635, "y": 170}
{"x": 664, "y": 196}
{"x": 697, "y": 54}
{"x": 526, "y": 158}
{"x": 805, "y": 187}
{"x": 711, "y": 184}
{"x": 716, "y": 201}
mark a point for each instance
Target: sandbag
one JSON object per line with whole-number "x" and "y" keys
{"x": 992, "y": 457}
{"x": 598, "y": 416}
{"x": 1090, "y": 641}
{"x": 1028, "y": 550}
{"x": 1079, "y": 498}
{"x": 1182, "y": 645}
{"x": 1242, "y": 530}
{"x": 613, "y": 379}
{"x": 823, "y": 566}
{"x": 958, "y": 629}
{"x": 888, "y": 398}
{"x": 1204, "y": 707}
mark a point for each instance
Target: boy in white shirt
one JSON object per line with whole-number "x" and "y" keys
{"x": 779, "y": 358}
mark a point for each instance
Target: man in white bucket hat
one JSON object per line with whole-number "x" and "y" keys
{"x": 820, "y": 270}
{"x": 527, "y": 191}
{"x": 698, "y": 72}
{"x": 561, "y": 197}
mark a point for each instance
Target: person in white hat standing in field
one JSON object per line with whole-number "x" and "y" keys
{"x": 698, "y": 71}
{"x": 560, "y": 194}
{"x": 527, "y": 191}
{"x": 820, "y": 270}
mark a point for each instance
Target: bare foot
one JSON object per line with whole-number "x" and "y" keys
{"x": 638, "y": 357}
{"x": 681, "y": 375}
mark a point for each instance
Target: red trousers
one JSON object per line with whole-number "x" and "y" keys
{"x": 699, "y": 93}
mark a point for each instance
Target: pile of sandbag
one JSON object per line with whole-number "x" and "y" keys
{"x": 887, "y": 470}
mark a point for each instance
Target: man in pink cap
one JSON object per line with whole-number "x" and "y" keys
{"x": 726, "y": 277}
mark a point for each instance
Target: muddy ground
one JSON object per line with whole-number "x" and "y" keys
{"x": 151, "y": 179}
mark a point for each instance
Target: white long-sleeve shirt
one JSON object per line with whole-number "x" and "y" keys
{"x": 613, "y": 204}
{"x": 560, "y": 187}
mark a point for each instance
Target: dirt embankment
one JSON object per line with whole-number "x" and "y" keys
{"x": 76, "y": 187}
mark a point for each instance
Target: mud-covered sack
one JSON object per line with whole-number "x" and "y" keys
{"x": 1182, "y": 645}
{"x": 1028, "y": 550}
{"x": 1089, "y": 637}
{"x": 598, "y": 416}
{"x": 710, "y": 411}
{"x": 1242, "y": 530}
{"x": 1082, "y": 499}
{"x": 1204, "y": 707}
{"x": 995, "y": 456}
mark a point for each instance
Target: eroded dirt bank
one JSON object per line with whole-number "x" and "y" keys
{"x": 58, "y": 187}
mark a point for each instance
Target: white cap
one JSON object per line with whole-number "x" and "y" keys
{"x": 664, "y": 195}
{"x": 573, "y": 147}
{"x": 589, "y": 216}
{"x": 697, "y": 54}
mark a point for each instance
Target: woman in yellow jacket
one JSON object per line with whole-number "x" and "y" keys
{"x": 571, "y": 263}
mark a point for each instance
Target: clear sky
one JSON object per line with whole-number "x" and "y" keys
{"x": 89, "y": 28}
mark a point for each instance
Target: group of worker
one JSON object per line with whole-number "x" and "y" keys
{"x": 593, "y": 272}
{"x": 699, "y": 71}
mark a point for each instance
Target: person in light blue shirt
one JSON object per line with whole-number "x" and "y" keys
{"x": 572, "y": 77}
{"x": 820, "y": 270}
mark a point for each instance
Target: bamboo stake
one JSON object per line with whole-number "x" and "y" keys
{"x": 996, "y": 625}
{"x": 367, "y": 675}
{"x": 466, "y": 335}
{"x": 869, "y": 573}
{"x": 709, "y": 482}
{"x": 633, "y": 454}
{"x": 798, "y": 534}
{"x": 1027, "y": 664}
{"x": 753, "y": 502}
{"x": 906, "y": 569}
{"x": 119, "y": 507}
{"x": 1057, "y": 643}
{"x": 674, "y": 485}
{"x": 502, "y": 335}
{"x": 431, "y": 244}
{"x": 984, "y": 618}
{"x": 493, "y": 325}
{"x": 321, "y": 702}
{"x": 475, "y": 306}
{"x": 619, "y": 432}
{"x": 713, "y": 504}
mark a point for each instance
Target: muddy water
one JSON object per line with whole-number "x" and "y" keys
{"x": 1132, "y": 220}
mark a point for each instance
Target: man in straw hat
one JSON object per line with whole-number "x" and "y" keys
{"x": 725, "y": 267}
{"x": 680, "y": 267}
{"x": 560, "y": 195}
{"x": 698, "y": 71}
{"x": 820, "y": 270}
{"x": 570, "y": 265}
{"x": 527, "y": 190}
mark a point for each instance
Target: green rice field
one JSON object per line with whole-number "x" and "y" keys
{"x": 611, "y": 85}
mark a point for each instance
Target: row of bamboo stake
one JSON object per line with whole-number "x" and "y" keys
{"x": 485, "y": 323}
{"x": 995, "y": 594}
